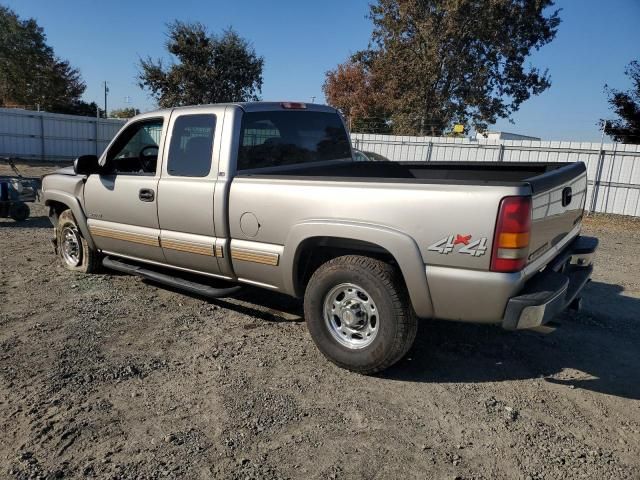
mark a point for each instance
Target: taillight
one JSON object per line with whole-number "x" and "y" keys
{"x": 511, "y": 239}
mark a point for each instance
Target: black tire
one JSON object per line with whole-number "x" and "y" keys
{"x": 396, "y": 322}
{"x": 88, "y": 259}
{"x": 19, "y": 211}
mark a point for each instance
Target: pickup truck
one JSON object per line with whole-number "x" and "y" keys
{"x": 208, "y": 198}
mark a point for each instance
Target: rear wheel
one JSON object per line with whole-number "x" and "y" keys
{"x": 19, "y": 211}
{"x": 74, "y": 251}
{"x": 358, "y": 313}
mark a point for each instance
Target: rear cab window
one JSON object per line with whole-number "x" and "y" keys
{"x": 278, "y": 138}
{"x": 190, "y": 152}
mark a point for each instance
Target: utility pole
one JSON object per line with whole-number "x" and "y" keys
{"x": 129, "y": 103}
{"x": 599, "y": 167}
{"x": 106, "y": 91}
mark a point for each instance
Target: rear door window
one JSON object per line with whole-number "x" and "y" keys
{"x": 270, "y": 139}
{"x": 191, "y": 146}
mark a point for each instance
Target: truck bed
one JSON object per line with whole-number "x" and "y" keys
{"x": 541, "y": 176}
{"x": 554, "y": 217}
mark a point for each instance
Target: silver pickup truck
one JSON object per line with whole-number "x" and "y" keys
{"x": 211, "y": 197}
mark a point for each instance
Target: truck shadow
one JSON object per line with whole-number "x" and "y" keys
{"x": 31, "y": 222}
{"x": 251, "y": 301}
{"x": 596, "y": 349}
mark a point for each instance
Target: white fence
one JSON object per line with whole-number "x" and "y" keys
{"x": 613, "y": 172}
{"x": 50, "y": 136}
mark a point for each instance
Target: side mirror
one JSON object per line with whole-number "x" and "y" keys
{"x": 86, "y": 165}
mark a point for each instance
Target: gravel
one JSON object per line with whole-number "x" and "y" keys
{"x": 108, "y": 376}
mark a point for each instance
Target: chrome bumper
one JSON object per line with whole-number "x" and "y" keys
{"x": 549, "y": 292}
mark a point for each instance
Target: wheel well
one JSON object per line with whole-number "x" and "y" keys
{"x": 315, "y": 251}
{"x": 55, "y": 209}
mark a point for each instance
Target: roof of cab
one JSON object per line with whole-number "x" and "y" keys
{"x": 253, "y": 107}
{"x": 262, "y": 106}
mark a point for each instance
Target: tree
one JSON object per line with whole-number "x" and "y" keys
{"x": 440, "y": 62}
{"x": 626, "y": 106}
{"x": 209, "y": 68}
{"x": 31, "y": 74}
{"x": 124, "y": 112}
{"x": 356, "y": 92}
{"x": 80, "y": 107}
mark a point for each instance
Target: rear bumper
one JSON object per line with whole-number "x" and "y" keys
{"x": 549, "y": 292}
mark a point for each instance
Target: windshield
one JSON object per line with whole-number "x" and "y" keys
{"x": 270, "y": 139}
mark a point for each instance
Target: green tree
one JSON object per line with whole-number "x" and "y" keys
{"x": 31, "y": 74}
{"x": 440, "y": 62}
{"x": 124, "y": 112}
{"x": 80, "y": 107}
{"x": 626, "y": 105}
{"x": 209, "y": 68}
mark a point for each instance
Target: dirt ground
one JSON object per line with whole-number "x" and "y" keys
{"x": 109, "y": 376}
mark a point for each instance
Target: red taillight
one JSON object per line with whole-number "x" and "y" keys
{"x": 293, "y": 105}
{"x": 511, "y": 239}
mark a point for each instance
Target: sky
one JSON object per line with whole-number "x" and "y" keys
{"x": 301, "y": 40}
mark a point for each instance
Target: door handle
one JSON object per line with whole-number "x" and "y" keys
{"x": 146, "y": 195}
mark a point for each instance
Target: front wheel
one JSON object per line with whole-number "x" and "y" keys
{"x": 358, "y": 313}
{"x": 74, "y": 251}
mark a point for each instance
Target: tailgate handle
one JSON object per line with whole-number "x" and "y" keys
{"x": 566, "y": 196}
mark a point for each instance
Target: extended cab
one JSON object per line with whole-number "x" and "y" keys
{"x": 268, "y": 194}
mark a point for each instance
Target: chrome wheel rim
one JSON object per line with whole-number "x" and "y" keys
{"x": 71, "y": 247}
{"x": 351, "y": 316}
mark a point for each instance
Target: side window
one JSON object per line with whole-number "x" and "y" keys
{"x": 191, "y": 146}
{"x": 135, "y": 151}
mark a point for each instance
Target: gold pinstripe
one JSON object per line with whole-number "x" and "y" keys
{"x": 255, "y": 257}
{"x": 184, "y": 246}
{"x": 264, "y": 258}
{"x": 141, "y": 238}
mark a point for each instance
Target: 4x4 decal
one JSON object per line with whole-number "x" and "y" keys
{"x": 446, "y": 245}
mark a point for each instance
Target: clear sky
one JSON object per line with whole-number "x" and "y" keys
{"x": 300, "y": 40}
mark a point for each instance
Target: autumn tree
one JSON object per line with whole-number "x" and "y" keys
{"x": 30, "y": 72}
{"x": 626, "y": 105}
{"x": 353, "y": 89}
{"x": 438, "y": 62}
{"x": 206, "y": 68}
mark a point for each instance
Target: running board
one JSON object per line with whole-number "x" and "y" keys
{"x": 170, "y": 280}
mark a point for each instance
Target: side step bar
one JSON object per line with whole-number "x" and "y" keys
{"x": 170, "y": 280}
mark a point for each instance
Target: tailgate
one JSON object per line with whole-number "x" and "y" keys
{"x": 558, "y": 202}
